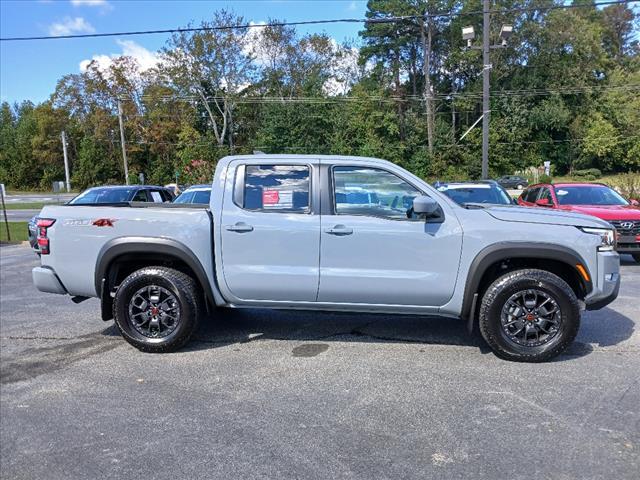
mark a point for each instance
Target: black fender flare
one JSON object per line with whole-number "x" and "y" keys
{"x": 522, "y": 250}
{"x": 164, "y": 246}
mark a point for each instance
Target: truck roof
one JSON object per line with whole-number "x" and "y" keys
{"x": 293, "y": 156}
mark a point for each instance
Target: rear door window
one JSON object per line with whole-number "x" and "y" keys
{"x": 532, "y": 195}
{"x": 140, "y": 196}
{"x": 546, "y": 193}
{"x": 276, "y": 188}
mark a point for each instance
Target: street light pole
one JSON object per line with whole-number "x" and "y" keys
{"x": 486, "y": 72}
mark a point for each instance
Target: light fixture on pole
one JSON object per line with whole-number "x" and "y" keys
{"x": 468, "y": 34}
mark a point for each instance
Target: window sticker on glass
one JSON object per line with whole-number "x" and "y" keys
{"x": 561, "y": 192}
{"x": 157, "y": 198}
{"x": 277, "y": 199}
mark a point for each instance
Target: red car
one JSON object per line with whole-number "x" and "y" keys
{"x": 591, "y": 199}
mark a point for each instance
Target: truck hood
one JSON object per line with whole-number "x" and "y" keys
{"x": 544, "y": 216}
{"x": 606, "y": 212}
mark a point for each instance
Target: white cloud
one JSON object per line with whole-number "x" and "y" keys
{"x": 69, "y": 26}
{"x": 89, "y": 3}
{"x": 146, "y": 59}
{"x": 352, "y": 6}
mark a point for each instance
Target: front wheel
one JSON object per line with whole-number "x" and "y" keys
{"x": 529, "y": 316}
{"x": 157, "y": 309}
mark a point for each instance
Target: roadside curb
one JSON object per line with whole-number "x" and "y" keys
{"x": 24, "y": 243}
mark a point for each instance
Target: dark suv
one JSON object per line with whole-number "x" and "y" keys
{"x": 512, "y": 181}
{"x": 123, "y": 194}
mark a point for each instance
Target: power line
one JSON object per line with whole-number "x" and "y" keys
{"x": 212, "y": 144}
{"x": 389, "y": 19}
{"x": 395, "y": 98}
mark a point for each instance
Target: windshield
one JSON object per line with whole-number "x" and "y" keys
{"x": 103, "y": 195}
{"x": 588, "y": 195}
{"x": 462, "y": 194}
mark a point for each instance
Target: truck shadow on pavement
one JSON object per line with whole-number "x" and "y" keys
{"x": 600, "y": 330}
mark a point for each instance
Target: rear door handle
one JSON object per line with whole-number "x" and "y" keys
{"x": 239, "y": 227}
{"x": 339, "y": 230}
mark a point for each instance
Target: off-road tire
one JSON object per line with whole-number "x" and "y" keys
{"x": 510, "y": 283}
{"x": 185, "y": 291}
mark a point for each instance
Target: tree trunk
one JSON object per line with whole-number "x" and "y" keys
{"x": 231, "y": 145}
{"x": 396, "y": 76}
{"x": 219, "y": 138}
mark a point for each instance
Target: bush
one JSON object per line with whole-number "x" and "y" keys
{"x": 589, "y": 172}
{"x": 628, "y": 185}
{"x": 544, "y": 178}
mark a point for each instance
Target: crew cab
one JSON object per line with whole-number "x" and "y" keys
{"x": 594, "y": 199}
{"x": 331, "y": 233}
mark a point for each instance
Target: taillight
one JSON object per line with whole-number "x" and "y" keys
{"x": 43, "y": 241}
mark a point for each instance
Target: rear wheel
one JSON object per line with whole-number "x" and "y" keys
{"x": 157, "y": 309}
{"x": 519, "y": 186}
{"x": 529, "y": 316}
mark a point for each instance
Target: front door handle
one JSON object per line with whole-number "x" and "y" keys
{"x": 239, "y": 227}
{"x": 339, "y": 230}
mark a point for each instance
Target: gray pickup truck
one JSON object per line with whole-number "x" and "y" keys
{"x": 334, "y": 233}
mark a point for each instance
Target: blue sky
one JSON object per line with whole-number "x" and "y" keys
{"x": 29, "y": 70}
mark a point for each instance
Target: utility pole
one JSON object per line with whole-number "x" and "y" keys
{"x": 468, "y": 34}
{"x": 124, "y": 149}
{"x": 66, "y": 161}
{"x": 486, "y": 76}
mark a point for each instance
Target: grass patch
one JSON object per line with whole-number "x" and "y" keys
{"x": 17, "y": 230}
{"x": 25, "y": 206}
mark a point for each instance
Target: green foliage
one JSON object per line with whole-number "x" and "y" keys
{"x": 544, "y": 178}
{"x": 594, "y": 173}
{"x": 628, "y": 185}
{"x": 565, "y": 90}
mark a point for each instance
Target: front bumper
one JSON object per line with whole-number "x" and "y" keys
{"x": 46, "y": 280}
{"x": 607, "y": 283}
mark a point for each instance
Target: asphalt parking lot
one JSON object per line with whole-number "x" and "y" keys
{"x": 305, "y": 395}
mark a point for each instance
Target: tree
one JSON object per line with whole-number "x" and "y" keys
{"x": 213, "y": 66}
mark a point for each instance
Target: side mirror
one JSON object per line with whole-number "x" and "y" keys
{"x": 427, "y": 206}
{"x": 633, "y": 202}
{"x": 543, "y": 202}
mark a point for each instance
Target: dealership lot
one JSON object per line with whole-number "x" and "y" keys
{"x": 263, "y": 394}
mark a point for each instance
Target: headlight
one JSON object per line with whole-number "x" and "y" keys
{"x": 607, "y": 238}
